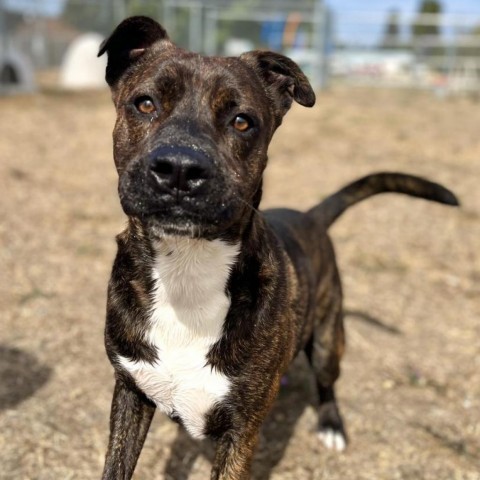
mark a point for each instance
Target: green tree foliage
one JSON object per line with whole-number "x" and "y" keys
{"x": 426, "y": 32}
{"x": 422, "y": 27}
{"x": 471, "y": 46}
{"x": 144, "y": 7}
{"x": 391, "y": 34}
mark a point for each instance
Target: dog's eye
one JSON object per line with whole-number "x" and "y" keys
{"x": 145, "y": 105}
{"x": 242, "y": 123}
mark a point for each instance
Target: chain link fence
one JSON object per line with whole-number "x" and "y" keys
{"x": 433, "y": 51}
{"x": 439, "y": 52}
{"x": 224, "y": 27}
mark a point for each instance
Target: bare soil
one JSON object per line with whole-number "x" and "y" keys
{"x": 410, "y": 387}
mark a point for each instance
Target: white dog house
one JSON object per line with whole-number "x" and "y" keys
{"x": 81, "y": 68}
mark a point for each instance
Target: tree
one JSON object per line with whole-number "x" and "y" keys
{"x": 391, "y": 34}
{"x": 424, "y": 26}
{"x": 476, "y": 42}
{"x": 426, "y": 29}
{"x": 470, "y": 47}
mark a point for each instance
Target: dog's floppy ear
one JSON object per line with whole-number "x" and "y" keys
{"x": 282, "y": 77}
{"x": 127, "y": 44}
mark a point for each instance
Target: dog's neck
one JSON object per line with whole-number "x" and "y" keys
{"x": 190, "y": 278}
{"x": 190, "y": 263}
{"x": 237, "y": 247}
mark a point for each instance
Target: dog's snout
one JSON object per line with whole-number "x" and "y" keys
{"x": 180, "y": 169}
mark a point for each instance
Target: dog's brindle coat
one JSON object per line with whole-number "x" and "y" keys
{"x": 209, "y": 299}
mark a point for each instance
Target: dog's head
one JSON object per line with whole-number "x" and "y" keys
{"x": 192, "y": 132}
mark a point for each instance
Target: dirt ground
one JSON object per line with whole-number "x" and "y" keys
{"x": 410, "y": 387}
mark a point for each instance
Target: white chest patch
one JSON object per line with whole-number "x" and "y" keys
{"x": 189, "y": 309}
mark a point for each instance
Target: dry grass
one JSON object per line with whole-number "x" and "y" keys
{"x": 410, "y": 389}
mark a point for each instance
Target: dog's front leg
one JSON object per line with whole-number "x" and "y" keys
{"x": 234, "y": 455}
{"x": 130, "y": 419}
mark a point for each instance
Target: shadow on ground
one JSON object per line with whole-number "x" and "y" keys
{"x": 21, "y": 375}
{"x": 372, "y": 321}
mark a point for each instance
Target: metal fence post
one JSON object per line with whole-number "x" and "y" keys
{"x": 119, "y": 11}
{"x": 169, "y": 16}
{"x": 320, "y": 44}
{"x": 195, "y": 27}
{"x": 3, "y": 30}
{"x": 211, "y": 25}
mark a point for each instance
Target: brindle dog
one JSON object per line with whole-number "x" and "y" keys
{"x": 209, "y": 299}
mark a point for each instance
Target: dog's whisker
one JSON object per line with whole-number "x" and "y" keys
{"x": 251, "y": 207}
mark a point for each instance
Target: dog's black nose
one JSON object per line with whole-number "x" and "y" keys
{"x": 180, "y": 169}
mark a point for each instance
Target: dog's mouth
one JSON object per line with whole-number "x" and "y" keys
{"x": 207, "y": 213}
{"x": 158, "y": 229}
{"x": 189, "y": 222}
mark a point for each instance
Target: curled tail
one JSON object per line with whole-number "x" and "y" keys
{"x": 333, "y": 206}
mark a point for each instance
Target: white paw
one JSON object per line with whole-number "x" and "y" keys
{"x": 333, "y": 440}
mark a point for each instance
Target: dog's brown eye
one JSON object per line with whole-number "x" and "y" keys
{"x": 241, "y": 123}
{"x": 145, "y": 105}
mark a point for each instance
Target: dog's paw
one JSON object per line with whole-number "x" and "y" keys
{"x": 331, "y": 431}
{"x": 333, "y": 439}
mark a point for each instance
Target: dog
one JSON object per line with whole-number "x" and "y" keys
{"x": 210, "y": 299}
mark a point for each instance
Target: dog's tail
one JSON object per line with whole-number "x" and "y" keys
{"x": 333, "y": 206}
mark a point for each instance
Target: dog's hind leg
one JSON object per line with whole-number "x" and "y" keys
{"x": 324, "y": 351}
